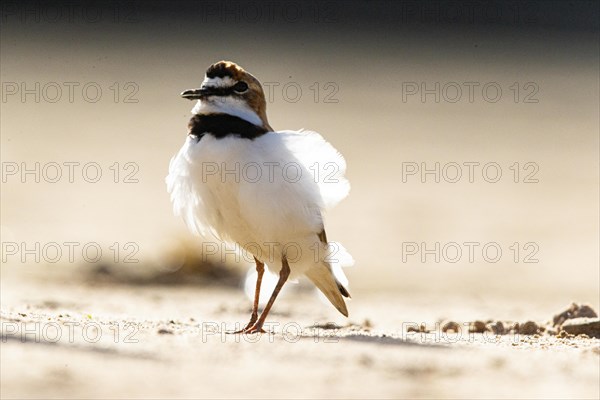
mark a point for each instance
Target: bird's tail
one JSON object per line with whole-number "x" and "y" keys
{"x": 321, "y": 275}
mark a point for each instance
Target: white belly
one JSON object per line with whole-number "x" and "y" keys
{"x": 261, "y": 194}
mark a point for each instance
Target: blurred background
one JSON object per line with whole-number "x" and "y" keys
{"x": 470, "y": 130}
{"x": 91, "y": 108}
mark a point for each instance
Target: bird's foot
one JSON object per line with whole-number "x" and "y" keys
{"x": 256, "y": 328}
{"x": 244, "y": 329}
{"x": 247, "y": 330}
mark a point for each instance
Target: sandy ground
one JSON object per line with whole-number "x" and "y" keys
{"x": 99, "y": 340}
{"x": 162, "y": 338}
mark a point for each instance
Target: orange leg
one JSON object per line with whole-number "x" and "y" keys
{"x": 283, "y": 275}
{"x": 260, "y": 269}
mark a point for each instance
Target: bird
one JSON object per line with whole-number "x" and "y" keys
{"x": 264, "y": 190}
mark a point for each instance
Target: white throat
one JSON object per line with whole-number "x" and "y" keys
{"x": 227, "y": 105}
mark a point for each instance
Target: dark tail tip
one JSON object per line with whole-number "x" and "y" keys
{"x": 343, "y": 290}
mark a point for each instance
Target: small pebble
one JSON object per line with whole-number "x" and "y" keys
{"x": 497, "y": 328}
{"x": 579, "y": 326}
{"x": 450, "y": 326}
{"x": 477, "y": 327}
{"x": 574, "y": 311}
{"x": 529, "y": 328}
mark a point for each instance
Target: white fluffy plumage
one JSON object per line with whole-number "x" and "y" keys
{"x": 266, "y": 194}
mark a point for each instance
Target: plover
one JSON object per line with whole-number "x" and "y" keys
{"x": 261, "y": 189}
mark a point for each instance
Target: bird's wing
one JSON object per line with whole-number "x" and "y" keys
{"x": 326, "y": 165}
{"x": 327, "y": 168}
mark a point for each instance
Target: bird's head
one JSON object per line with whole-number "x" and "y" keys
{"x": 229, "y": 89}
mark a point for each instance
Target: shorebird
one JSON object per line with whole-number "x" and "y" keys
{"x": 261, "y": 189}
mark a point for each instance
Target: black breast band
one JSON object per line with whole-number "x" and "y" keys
{"x": 221, "y": 125}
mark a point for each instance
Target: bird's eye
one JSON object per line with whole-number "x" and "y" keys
{"x": 240, "y": 87}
